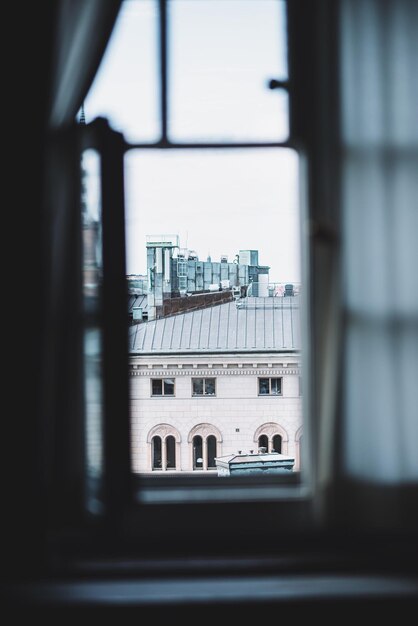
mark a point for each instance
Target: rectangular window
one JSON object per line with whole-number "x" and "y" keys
{"x": 203, "y": 387}
{"x": 162, "y": 387}
{"x": 269, "y": 386}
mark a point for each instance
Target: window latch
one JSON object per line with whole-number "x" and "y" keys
{"x": 274, "y": 83}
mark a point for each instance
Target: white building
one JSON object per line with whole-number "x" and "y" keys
{"x": 214, "y": 382}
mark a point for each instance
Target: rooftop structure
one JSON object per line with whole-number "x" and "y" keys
{"x": 173, "y": 271}
{"x": 260, "y": 462}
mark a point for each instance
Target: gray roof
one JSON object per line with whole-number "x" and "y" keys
{"x": 256, "y": 324}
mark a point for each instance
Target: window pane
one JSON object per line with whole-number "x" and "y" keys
{"x": 156, "y": 453}
{"x": 277, "y": 443}
{"x": 94, "y": 416}
{"x": 169, "y": 386}
{"x": 170, "y": 443}
{"x": 125, "y": 89}
{"x": 210, "y": 386}
{"x": 222, "y": 56}
{"x": 263, "y": 386}
{"x": 91, "y": 208}
{"x": 92, "y": 229}
{"x": 211, "y": 443}
{"x": 240, "y": 203}
{"x": 263, "y": 442}
{"x": 197, "y": 452}
{"x": 198, "y": 386}
{"x": 276, "y": 387}
{"x": 157, "y": 387}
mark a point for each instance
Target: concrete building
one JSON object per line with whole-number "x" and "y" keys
{"x": 218, "y": 381}
{"x": 173, "y": 271}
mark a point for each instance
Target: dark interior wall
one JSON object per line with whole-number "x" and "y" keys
{"x": 25, "y": 86}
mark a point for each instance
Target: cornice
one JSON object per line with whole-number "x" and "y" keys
{"x": 210, "y": 372}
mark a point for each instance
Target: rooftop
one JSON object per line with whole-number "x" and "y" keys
{"x": 247, "y": 325}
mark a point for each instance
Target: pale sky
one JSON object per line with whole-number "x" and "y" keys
{"x": 222, "y": 54}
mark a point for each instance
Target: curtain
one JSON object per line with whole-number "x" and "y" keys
{"x": 82, "y": 33}
{"x": 379, "y": 88}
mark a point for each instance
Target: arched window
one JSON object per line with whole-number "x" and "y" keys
{"x": 170, "y": 444}
{"x": 272, "y": 437}
{"x": 211, "y": 444}
{"x": 277, "y": 443}
{"x": 164, "y": 441}
{"x": 156, "y": 452}
{"x": 263, "y": 442}
{"x": 205, "y": 441}
{"x": 197, "y": 452}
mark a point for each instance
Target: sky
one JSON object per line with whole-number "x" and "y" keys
{"x": 222, "y": 53}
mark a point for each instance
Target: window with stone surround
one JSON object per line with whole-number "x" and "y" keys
{"x": 203, "y": 386}
{"x": 269, "y": 386}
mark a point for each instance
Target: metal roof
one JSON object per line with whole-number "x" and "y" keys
{"x": 256, "y": 324}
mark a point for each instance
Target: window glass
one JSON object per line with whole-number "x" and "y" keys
{"x": 125, "y": 89}
{"x": 277, "y": 443}
{"x": 263, "y": 386}
{"x": 263, "y": 442}
{"x": 209, "y": 386}
{"x": 197, "y": 452}
{"x": 276, "y": 386}
{"x": 197, "y": 386}
{"x": 211, "y": 446}
{"x": 169, "y": 386}
{"x": 170, "y": 443}
{"x": 157, "y": 387}
{"x": 92, "y": 271}
{"x": 222, "y": 56}
{"x": 156, "y": 453}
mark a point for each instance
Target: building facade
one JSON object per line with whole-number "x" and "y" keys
{"x": 222, "y": 380}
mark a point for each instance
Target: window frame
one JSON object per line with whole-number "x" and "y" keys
{"x": 164, "y": 453}
{"x": 289, "y": 501}
{"x": 297, "y": 489}
{"x": 203, "y": 394}
{"x": 270, "y": 378}
{"x": 163, "y": 394}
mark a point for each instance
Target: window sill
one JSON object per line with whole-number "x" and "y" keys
{"x": 204, "y": 395}
{"x": 254, "y": 593}
{"x": 212, "y": 488}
